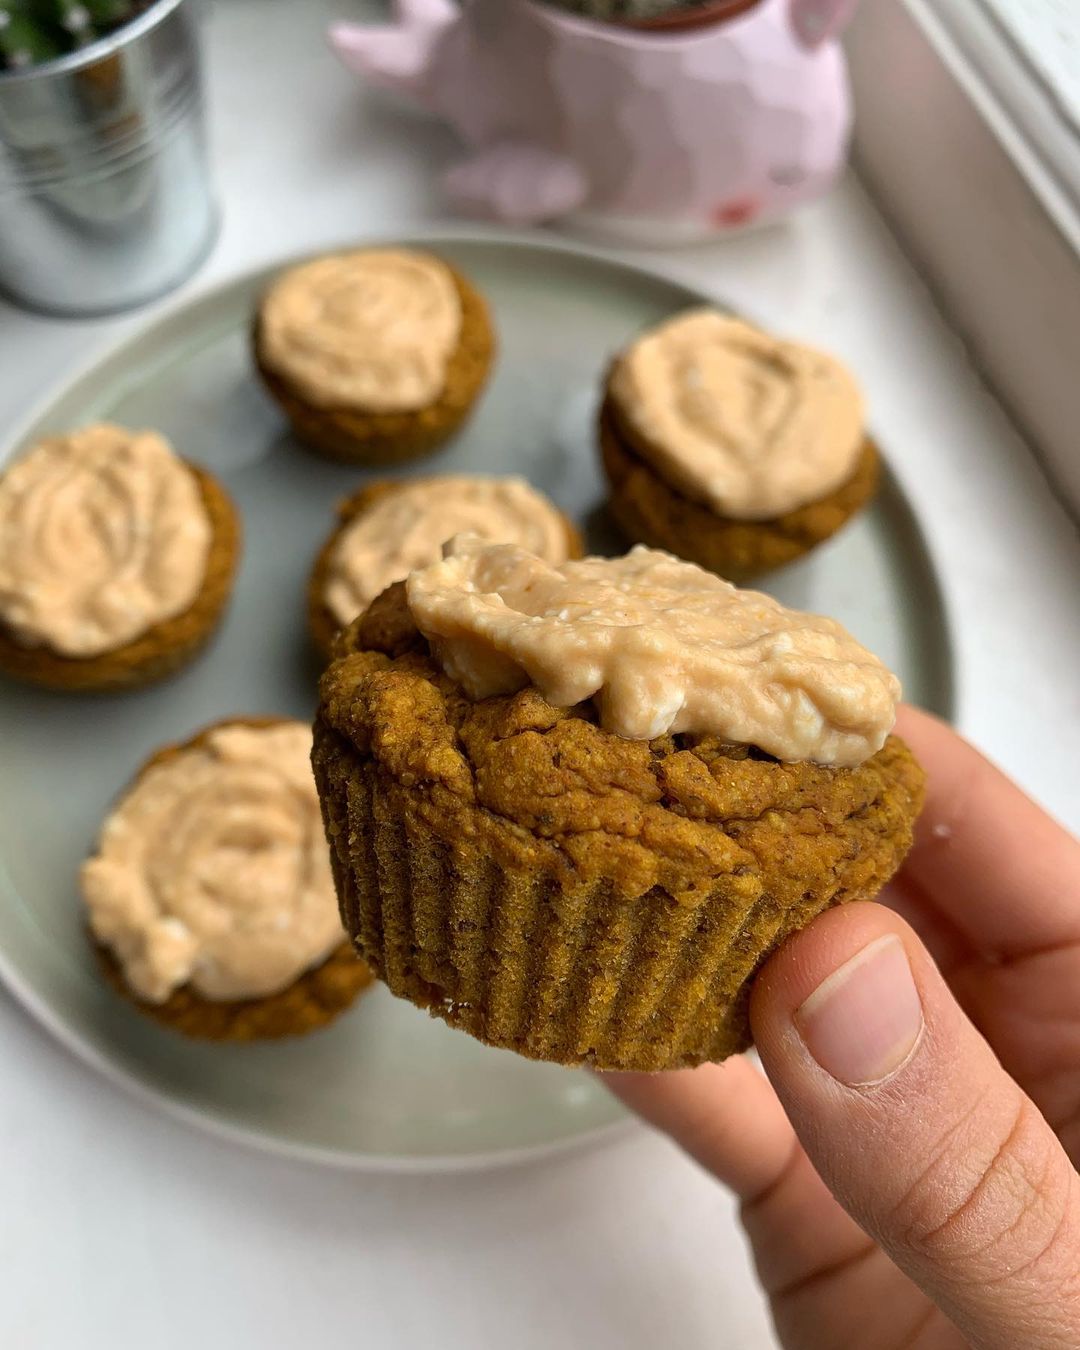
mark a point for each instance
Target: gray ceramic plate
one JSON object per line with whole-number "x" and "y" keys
{"x": 386, "y": 1087}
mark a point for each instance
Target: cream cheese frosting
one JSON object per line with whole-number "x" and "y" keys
{"x": 743, "y": 422}
{"x": 103, "y": 535}
{"x": 213, "y": 870}
{"x": 372, "y": 330}
{"x": 660, "y": 645}
{"x": 405, "y": 529}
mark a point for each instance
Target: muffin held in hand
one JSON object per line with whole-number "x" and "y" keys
{"x": 375, "y": 356}
{"x": 573, "y": 809}
{"x": 116, "y": 560}
{"x": 390, "y": 528}
{"x": 210, "y": 895}
{"x": 731, "y": 448}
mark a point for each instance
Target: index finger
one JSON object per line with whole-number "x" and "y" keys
{"x": 726, "y": 1116}
{"x": 997, "y": 867}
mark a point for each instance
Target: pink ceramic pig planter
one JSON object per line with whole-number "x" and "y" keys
{"x": 653, "y": 135}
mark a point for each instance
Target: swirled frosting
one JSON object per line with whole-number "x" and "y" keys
{"x": 405, "y": 529}
{"x": 213, "y": 870}
{"x": 103, "y": 534}
{"x": 749, "y": 425}
{"x": 372, "y": 330}
{"x": 660, "y": 645}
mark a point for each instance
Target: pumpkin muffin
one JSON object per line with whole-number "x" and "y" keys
{"x": 572, "y": 810}
{"x": 117, "y": 560}
{"x": 390, "y": 528}
{"x": 375, "y": 356}
{"x": 731, "y": 448}
{"x": 210, "y": 899}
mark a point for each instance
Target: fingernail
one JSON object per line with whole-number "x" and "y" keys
{"x": 862, "y": 1023}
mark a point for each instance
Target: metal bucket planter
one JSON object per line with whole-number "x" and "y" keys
{"x": 105, "y": 194}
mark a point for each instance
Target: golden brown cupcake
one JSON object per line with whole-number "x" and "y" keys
{"x": 573, "y": 810}
{"x": 389, "y": 528}
{"x": 731, "y": 448}
{"x": 210, "y": 898}
{"x": 375, "y": 356}
{"x": 117, "y": 560}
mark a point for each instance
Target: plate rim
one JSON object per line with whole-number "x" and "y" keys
{"x": 162, "y": 315}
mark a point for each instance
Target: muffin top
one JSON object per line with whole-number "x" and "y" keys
{"x": 661, "y": 646}
{"x": 213, "y": 870}
{"x": 743, "y": 422}
{"x": 397, "y": 527}
{"x": 103, "y": 535}
{"x": 372, "y": 330}
{"x": 519, "y": 782}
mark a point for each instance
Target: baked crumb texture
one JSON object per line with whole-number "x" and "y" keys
{"x": 650, "y": 511}
{"x": 161, "y": 650}
{"x": 561, "y": 892}
{"x": 358, "y": 437}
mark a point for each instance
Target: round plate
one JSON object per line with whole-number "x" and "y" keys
{"x": 386, "y": 1087}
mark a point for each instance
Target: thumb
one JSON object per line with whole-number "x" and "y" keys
{"x": 918, "y": 1131}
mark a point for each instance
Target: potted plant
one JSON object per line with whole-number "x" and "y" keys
{"x": 35, "y": 31}
{"x": 653, "y": 121}
{"x": 104, "y": 187}
{"x": 658, "y": 15}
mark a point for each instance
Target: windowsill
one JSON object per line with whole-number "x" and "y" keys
{"x": 1034, "y": 120}
{"x": 978, "y": 165}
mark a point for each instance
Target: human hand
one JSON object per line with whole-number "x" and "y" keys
{"x": 909, "y": 1178}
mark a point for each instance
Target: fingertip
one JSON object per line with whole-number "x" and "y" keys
{"x": 633, "y": 1089}
{"x": 930, "y": 737}
{"x": 668, "y": 1094}
{"x": 983, "y": 849}
{"x": 918, "y": 721}
{"x": 724, "y": 1115}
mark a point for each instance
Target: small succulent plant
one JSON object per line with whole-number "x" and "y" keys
{"x": 627, "y": 11}
{"x": 33, "y": 31}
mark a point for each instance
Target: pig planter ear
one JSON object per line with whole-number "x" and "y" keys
{"x": 819, "y": 21}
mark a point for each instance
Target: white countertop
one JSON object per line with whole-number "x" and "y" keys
{"x": 123, "y": 1228}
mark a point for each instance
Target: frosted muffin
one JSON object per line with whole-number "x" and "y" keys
{"x": 375, "y": 356}
{"x": 390, "y": 528}
{"x": 116, "y": 560}
{"x": 732, "y": 448}
{"x": 572, "y": 809}
{"x": 210, "y": 897}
